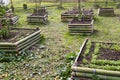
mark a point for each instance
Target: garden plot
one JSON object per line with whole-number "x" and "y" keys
{"x": 87, "y": 14}
{"x": 106, "y": 12}
{"x": 69, "y": 15}
{"x": 39, "y": 16}
{"x": 77, "y": 26}
{"x": 98, "y": 59}
{"x": 19, "y": 39}
{"x": 10, "y": 16}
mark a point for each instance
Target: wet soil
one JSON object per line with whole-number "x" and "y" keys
{"x": 38, "y": 14}
{"x": 72, "y": 12}
{"x": 75, "y": 21}
{"x": 92, "y": 48}
{"x": 107, "y": 54}
{"x": 16, "y": 35}
{"x": 88, "y": 12}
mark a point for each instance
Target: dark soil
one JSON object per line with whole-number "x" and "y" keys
{"x": 75, "y": 21}
{"x": 107, "y": 54}
{"x": 72, "y": 12}
{"x": 16, "y": 35}
{"x": 92, "y": 48}
{"x": 88, "y": 12}
{"x": 38, "y": 14}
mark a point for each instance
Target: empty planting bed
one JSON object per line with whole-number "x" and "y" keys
{"x": 106, "y": 12}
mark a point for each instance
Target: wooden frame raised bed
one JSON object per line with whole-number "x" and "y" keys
{"x": 37, "y": 19}
{"x": 87, "y": 14}
{"x": 69, "y": 15}
{"x": 81, "y": 26}
{"x": 39, "y": 16}
{"x": 106, "y": 12}
{"x": 13, "y": 19}
{"x": 80, "y": 71}
{"x": 22, "y": 44}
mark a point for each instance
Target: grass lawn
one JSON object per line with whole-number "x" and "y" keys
{"x": 46, "y": 58}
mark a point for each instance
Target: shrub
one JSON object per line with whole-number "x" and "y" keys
{"x": 5, "y": 32}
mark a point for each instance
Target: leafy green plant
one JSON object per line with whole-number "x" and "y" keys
{"x": 5, "y": 31}
{"x": 6, "y": 57}
{"x": 95, "y": 77}
{"x": 96, "y": 52}
{"x": 115, "y": 47}
{"x": 87, "y": 49}
{"x": 85, "y": 61}
{"x": 10, "y": 57}
{"x": 105, "y": 62}
{"x": 64, "y": 72}
{"x": 2, "y": 11}
{"x": 70, "y": 56}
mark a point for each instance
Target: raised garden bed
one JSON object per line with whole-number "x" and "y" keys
{"x": 87, "y": 14}
{"x": 97, "y": 59}
{"x": 39, "y": 16}
{"x": 69, "y": 15}
{"x": 106, "y": 12}
{"x": 20, "y": 39}
{"x": 13, "y": 19}
{"x": 80, "y": 26}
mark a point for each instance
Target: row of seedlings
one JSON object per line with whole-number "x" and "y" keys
{"x": 97, "y": 61}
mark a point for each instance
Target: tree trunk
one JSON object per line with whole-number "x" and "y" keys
{"x": 79, "y": 6}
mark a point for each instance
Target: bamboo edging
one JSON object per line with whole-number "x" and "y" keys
{"x": 86, "y": 72}
{"x": 22, "y": 44}
{"x": 80, "y": 52}
{"x": 88, "y": 75}
{"x": 96, "y": 71}
{"x": 19, "y": 42}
